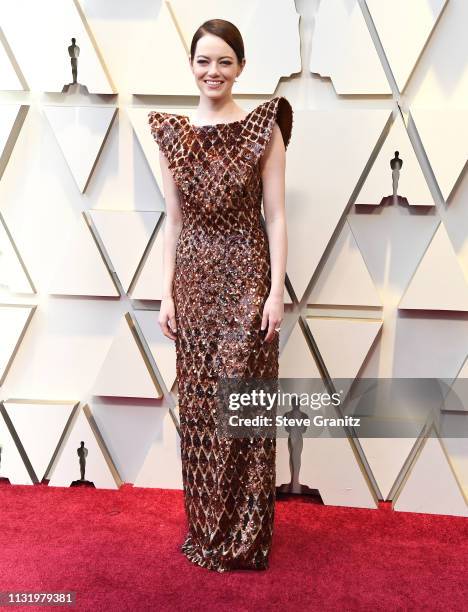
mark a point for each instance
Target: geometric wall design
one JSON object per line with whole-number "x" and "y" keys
{"x": 296, "y": 360}
{"x": 11, "y": 120}
{"x": 163, "y": 39}
{"x": 12, "y": 464}
{"x": 344, "y": 343}
{"x": 392, "y": 240}
{"x": 125, "y": 235}
{"x": 438, "y": 282}
{"x": 99, "y": 466}
{"x": 80, "y": 132}
{"x": 158, "y": 468}
{"x": 431, "y": 485}
{"x": 14, "y": 321}
{"x": 341, "y": 44}
{"x": 386, "y": 457}
{"x": 160, "y": 347}
{"x": 39, "y": 44}
{"x": 29, "y": 417}
{"x": 163, "y": 29}
{"x": 9, "y": 80}
{"x": 373, "y": 288}
{"x": 445, "y": 137}
{"x": 81, "y": 269}
{"x": 126, "y": 371}
{"x": 13, "y": 273}
{"x": 148, "y": 283}
{"x": 456, "y": 447}
{"x": 414, "y": 22}
{"x": 314, "y": 205}
{"x": 411, "y": 184}
{"x": 345, "y": 279}
{"x": 451, "y": 402}
{"x": 329, "y": 465}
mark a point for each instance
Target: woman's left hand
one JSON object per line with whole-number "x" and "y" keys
{"x": 273, "y": 313}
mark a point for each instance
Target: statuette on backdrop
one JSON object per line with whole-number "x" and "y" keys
{"x": 395, "y": 164}
{"x": 295, "y": 447}
{"x": 82, "y": 453}
{"x": 74, "y": 86}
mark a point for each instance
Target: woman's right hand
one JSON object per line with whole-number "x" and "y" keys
{"x": 167, "y": 319}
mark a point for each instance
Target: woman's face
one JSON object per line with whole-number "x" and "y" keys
{"x": 215, "y": 66}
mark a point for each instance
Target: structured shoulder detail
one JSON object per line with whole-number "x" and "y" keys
{"x": 283, "y": 115}
{"x": 166, "y": 129}
{"x": 279, "y": 110}
{"x": 155, "y": 119}
{"x": 261, "y": 121}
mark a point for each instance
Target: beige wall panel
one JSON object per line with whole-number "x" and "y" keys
{"x": 125, "y": 371}
{"x": 149, "y": 283}
{"x": 125, "y": 235}
{"x": 11, "y": 120}
{"x": 14, "y": 320}
{"x": 330, "y": 465}
{"x": 411, "y": 184}
{"x": 9, "y": 80}
{"x": 80, "y": 132}
{"x": 324, "y": 143}
{"x": 440, "y": 78}
{"x": 344, "y": 343}
{"x": 296, "y": 360}
{"x": 161, "y": 347}
{"x": 30, "y": 417}
{"x": 345, "y": 279}
{"x": 162, "y": 466}
{"x": 445, "y": 139}
{"x": 40, "y": 41}
{"x": 431, "y": 486}
{"x": 66, "y": 467}
{"x": 439, "y": 282}
{"x": 414, "y": 22}
{"x": 386, "y": 457}
{"x": 11, "y": 464}
{"x": 13, "y": 274}
{"x": 343, "y": 50}
{"x": 81, "y": 269}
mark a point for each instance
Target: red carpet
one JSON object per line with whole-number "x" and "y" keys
{"x": 119, "y": 550}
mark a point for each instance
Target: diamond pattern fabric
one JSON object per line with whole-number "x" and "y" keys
{"x": 221, "y": 281}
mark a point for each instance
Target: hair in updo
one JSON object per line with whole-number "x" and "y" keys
{"x": 225, "y": 30}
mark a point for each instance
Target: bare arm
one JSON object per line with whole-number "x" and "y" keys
{"x": 273, "y": 166}
{"x": 172, "y": 229}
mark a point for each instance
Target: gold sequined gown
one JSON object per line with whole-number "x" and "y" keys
{"x": 221, "y": 281}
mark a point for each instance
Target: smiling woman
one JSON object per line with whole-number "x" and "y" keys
{"x": 223, "y": 288}
{"x": 216, "y": 68}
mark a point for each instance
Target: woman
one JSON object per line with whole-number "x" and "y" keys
{"x": 223, "y": 292}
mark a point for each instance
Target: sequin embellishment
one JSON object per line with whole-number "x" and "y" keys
{"x": 221, "y": 281}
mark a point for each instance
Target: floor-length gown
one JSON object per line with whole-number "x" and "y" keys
{"x": 221, "y": 281}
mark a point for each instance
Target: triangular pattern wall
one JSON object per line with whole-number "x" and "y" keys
{"x": 350, "y": 288}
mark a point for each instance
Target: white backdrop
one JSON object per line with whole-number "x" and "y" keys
{"x": 377, "y": 289}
